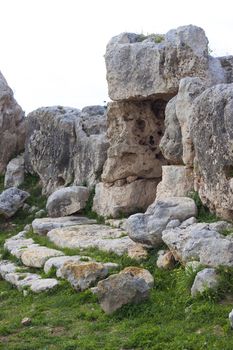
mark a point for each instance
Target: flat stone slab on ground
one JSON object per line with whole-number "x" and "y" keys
{"x": 36, "y": 257}
{"x": 58, "y": 261}
{"x": 44, "y": 225}
{"x": 101, "y": 237}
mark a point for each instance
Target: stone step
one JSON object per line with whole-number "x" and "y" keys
{"x": 102, "y": 237}
{"x": 44, "y": 225}
{"x": 22, "y": 279}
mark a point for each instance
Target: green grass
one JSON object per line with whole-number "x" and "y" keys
{"x": 65, "y": 320}
{"x": 204, "y": 215}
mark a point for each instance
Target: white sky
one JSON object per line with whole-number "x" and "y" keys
{"x": 52, "y": 50}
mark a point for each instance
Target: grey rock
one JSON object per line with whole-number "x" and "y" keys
{"x": 227, "y": 64}
{"x": 66, "y": 146}
{"x": 173, "y": 224}
{"x": 26, "y": 321}
{"x": 43, "y": 284}
{"x": 67, "y": 201}
{"x": 14, "y": 175}
{"x": 171, "y": 142}
{"x": 139, "y": 68}
{"x": 211, "y": 131}
{"x": 33, "y": 209}
{"x": 189, "y": 222}
{"x": 44, "y": 225}
{"x": 12, "y": 125}
{"x": 6, "y": 267}
{"x": 11, "y": 200}
{"x": 204, "y": 280}
{"x": 199, "y": 242}
{"x": 121, "y": 289}
{"x": 231, "y": 318}
{"x": 147, "y": 228}
{"x": 40, "y": 214}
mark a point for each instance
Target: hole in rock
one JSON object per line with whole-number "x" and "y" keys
{"x": 228, "y": 170}
{"x": 60, "y": 181}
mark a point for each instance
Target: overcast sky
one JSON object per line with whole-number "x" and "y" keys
{"x": 52, "y": 50}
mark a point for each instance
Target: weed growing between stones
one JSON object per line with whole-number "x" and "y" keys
{"x": 204, "y": 215}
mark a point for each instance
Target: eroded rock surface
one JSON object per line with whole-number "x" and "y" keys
{"x": 12, "y": 125}
{"x": 132, "y": 285}
{"x": 67, "y": 201}
{"x": 200, "y": 242}
{"x": 14, "y": 176}
{"x": 138, "y": 68}
{"x": 11, "y": 200}
{"x": 66, "y": 146}
{"x": 212, "y": 133}
{"x": 204, "y": 280}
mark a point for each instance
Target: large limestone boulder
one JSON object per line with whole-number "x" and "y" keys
{"x": 132, "y": 285}
{"x": 66, "y": 146}
{"x": 177, "y": 181}
{"x": 67, "y": 201}
{"x": 212, "y": 134}
{"x": 12, "y": 125}
{"x": 126, "y": 199}
{"x": 11, "y": 200}
{"x": 140, "y": 67}
{"x": 199, "y": 242}
{"x": 147, "y": 228}
{"x": 14, "y": 176}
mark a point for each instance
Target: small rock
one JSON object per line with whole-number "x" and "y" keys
{"x": 40, "y": 213}
{"x": 188, "y": 222}
{"x": 28, "y": 228}
{"x": 26, "y": 321}
{"x": 67, "y": 201}
{"x": 231, "y": 318}
{"x": 26, "y": 207}
{"x": 165, "y": 260}
{"x": 205, "y": 279}
{"x": 33, "y": 209}
{"x": 138, "y": 252}
{"x": 173, "y": 224}
{"x": 14, "y": 176}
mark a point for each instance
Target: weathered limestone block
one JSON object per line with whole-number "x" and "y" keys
{"x": 199, "y": 242}
{"x": 138, "y": 68}
{"x": 134, "y": 132}
{"x": 66, "y": 146}
{"x": 177, "y": 181}
{"x": 14, "y": 175}
{"x": 12, "y": 125}
{"x": 129, "y": 198}
{"x": 147, "y": 228}
{"x": 212, "y": 134}
{"x": 67, "y": 201}
{"x": 131, "y": 285}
